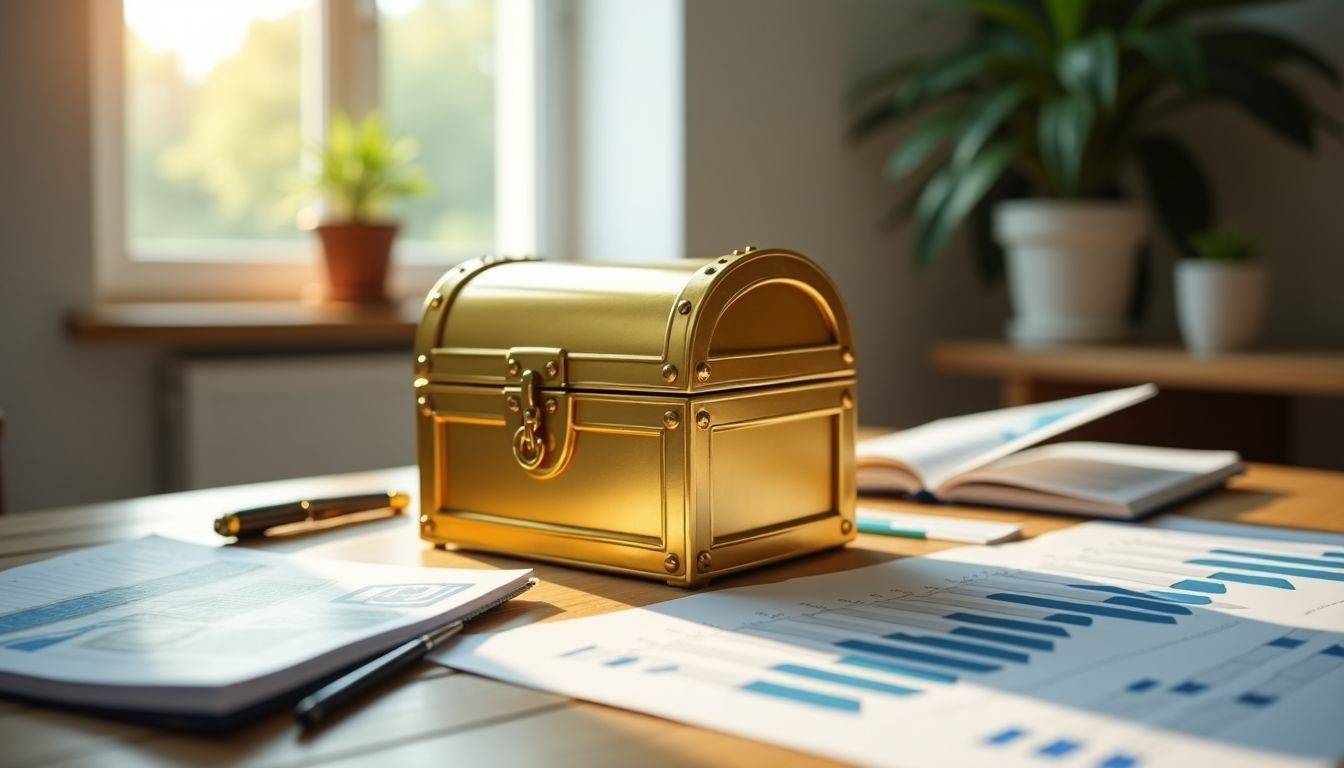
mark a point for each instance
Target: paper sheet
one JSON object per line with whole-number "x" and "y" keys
{"x": 146, "y": 623}
{"x": 1105, "y": 645}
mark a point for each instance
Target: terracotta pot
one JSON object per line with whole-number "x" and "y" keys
{"x": 357, "y": 257}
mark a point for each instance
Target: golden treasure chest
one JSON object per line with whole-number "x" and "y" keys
{"x": 678, "y": 421}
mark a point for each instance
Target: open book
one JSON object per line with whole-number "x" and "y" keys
{"x": 980, "y": 459}
{"x": 208, "y": 637}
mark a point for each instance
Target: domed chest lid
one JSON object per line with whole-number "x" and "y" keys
{"x": 745, "y": 319}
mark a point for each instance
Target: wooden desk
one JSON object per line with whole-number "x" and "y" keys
{"x": 1238, "y": 400}
{"x": 434, "y": 716}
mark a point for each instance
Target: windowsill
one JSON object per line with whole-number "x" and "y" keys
{"x": 250, "y": 325}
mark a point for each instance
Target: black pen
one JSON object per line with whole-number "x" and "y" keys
{"x": 319, "y": 705}
{"x": 254, "y": 522}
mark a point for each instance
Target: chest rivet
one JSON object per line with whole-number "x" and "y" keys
{"x": 669, "y": 373}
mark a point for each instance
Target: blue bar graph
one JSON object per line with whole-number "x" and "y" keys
{"x": 1069, "y": 618}
{"x": 897, "y": 669}
{"x": 1006, "y": 736}
{"x": 1177, "y": 597}
{"x": 1333, "y": 554}
{"x": 577, "y": 651}
{"x": 974, "y": 649}
{"x": 1259, "y": 581}
{"x": 620, "y": 662}
{"x": 1251, "y": 698}
{"x": 835, "y": 677}
{"x": 1119, "y": 760}
{"x": 1034, "y": 643}
{"x": 1020, "y": 626}
{"x": 1150, "y": 605}
{"x": 907, "y": 654}
{"x": 1139, "y": 686}
{"x": 1195, "y": 585}
{"x": 1285, "y": 642}
{"x": 1278, "y": 558}
{"x": 1189, "y": 688}
{"x": 1282, "y": 570}
{"x": 1159, "y": 594}
{"x": 802, "y": 695}
{"x": 1058, "y": 748}
{"x": 1095, "y": 610}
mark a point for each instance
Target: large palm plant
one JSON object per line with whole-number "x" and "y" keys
{"x": 1057, "y": 97}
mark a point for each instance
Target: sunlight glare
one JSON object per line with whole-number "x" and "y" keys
{"x": 201, "y": 34}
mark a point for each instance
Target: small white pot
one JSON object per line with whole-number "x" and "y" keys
{"x": 1220, "y": 305}
{"x": 1071, "y": 267}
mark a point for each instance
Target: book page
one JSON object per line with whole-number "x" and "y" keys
{"x": 159, "y": 614}
{"x": 1107, "y": 472}
{"x": 941, "y": 449}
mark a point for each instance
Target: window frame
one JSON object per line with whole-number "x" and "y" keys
{"x": 340, "y": 72}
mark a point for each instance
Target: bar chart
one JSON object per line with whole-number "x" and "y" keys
{"x": 1108, "y": 646}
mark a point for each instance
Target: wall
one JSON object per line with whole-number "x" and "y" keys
{"x": 80, "y": 420}
{"x": 767, "y": 164}
{"x": 625, "y": 130}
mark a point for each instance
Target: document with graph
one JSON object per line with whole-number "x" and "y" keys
{"x": 169, "y": 627}
{"x": 1104, "y": 645}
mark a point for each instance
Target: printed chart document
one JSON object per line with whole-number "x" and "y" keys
{"x": 161, "y": 625}
{"x": 987, "y": 458}
{"x": 1104, "y": 645}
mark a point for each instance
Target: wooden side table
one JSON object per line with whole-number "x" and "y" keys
{"x": 1239, "y": 401}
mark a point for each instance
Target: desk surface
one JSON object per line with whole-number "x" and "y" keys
{"x": 434, "y": 716}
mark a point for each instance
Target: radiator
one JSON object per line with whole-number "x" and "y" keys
{"x": 246, "y": 419}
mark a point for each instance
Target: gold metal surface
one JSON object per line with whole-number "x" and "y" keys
{"x": 570, "y": 449}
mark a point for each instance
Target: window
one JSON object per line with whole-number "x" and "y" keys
{"x": 202, "y": 111}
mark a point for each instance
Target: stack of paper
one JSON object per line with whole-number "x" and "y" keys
{"x": 159, "y": 625}
{"x": 1106, "y": 646}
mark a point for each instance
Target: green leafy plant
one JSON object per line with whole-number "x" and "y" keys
{"x": 1222, "y": 244}
{"x": 361, "y": 168}
{"x": 1058, "y": 98}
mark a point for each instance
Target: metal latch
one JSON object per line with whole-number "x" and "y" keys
{"x": 539, "y": 410}
{"x": 529, "y": 444}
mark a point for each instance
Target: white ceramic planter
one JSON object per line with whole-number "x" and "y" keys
{"x": 1220, "y": 305}
{"x": 1070, "y": 267}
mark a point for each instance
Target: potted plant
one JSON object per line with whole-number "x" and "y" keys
{"x": 1028, "y": 130}
{"x": 360, "y": 169}
{"x": 1220, "y": 293}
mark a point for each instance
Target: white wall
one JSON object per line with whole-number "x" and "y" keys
{"x": 625, "y": 121}
{"x": 80, "y": 420}
{"x": 767, "y": 163}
